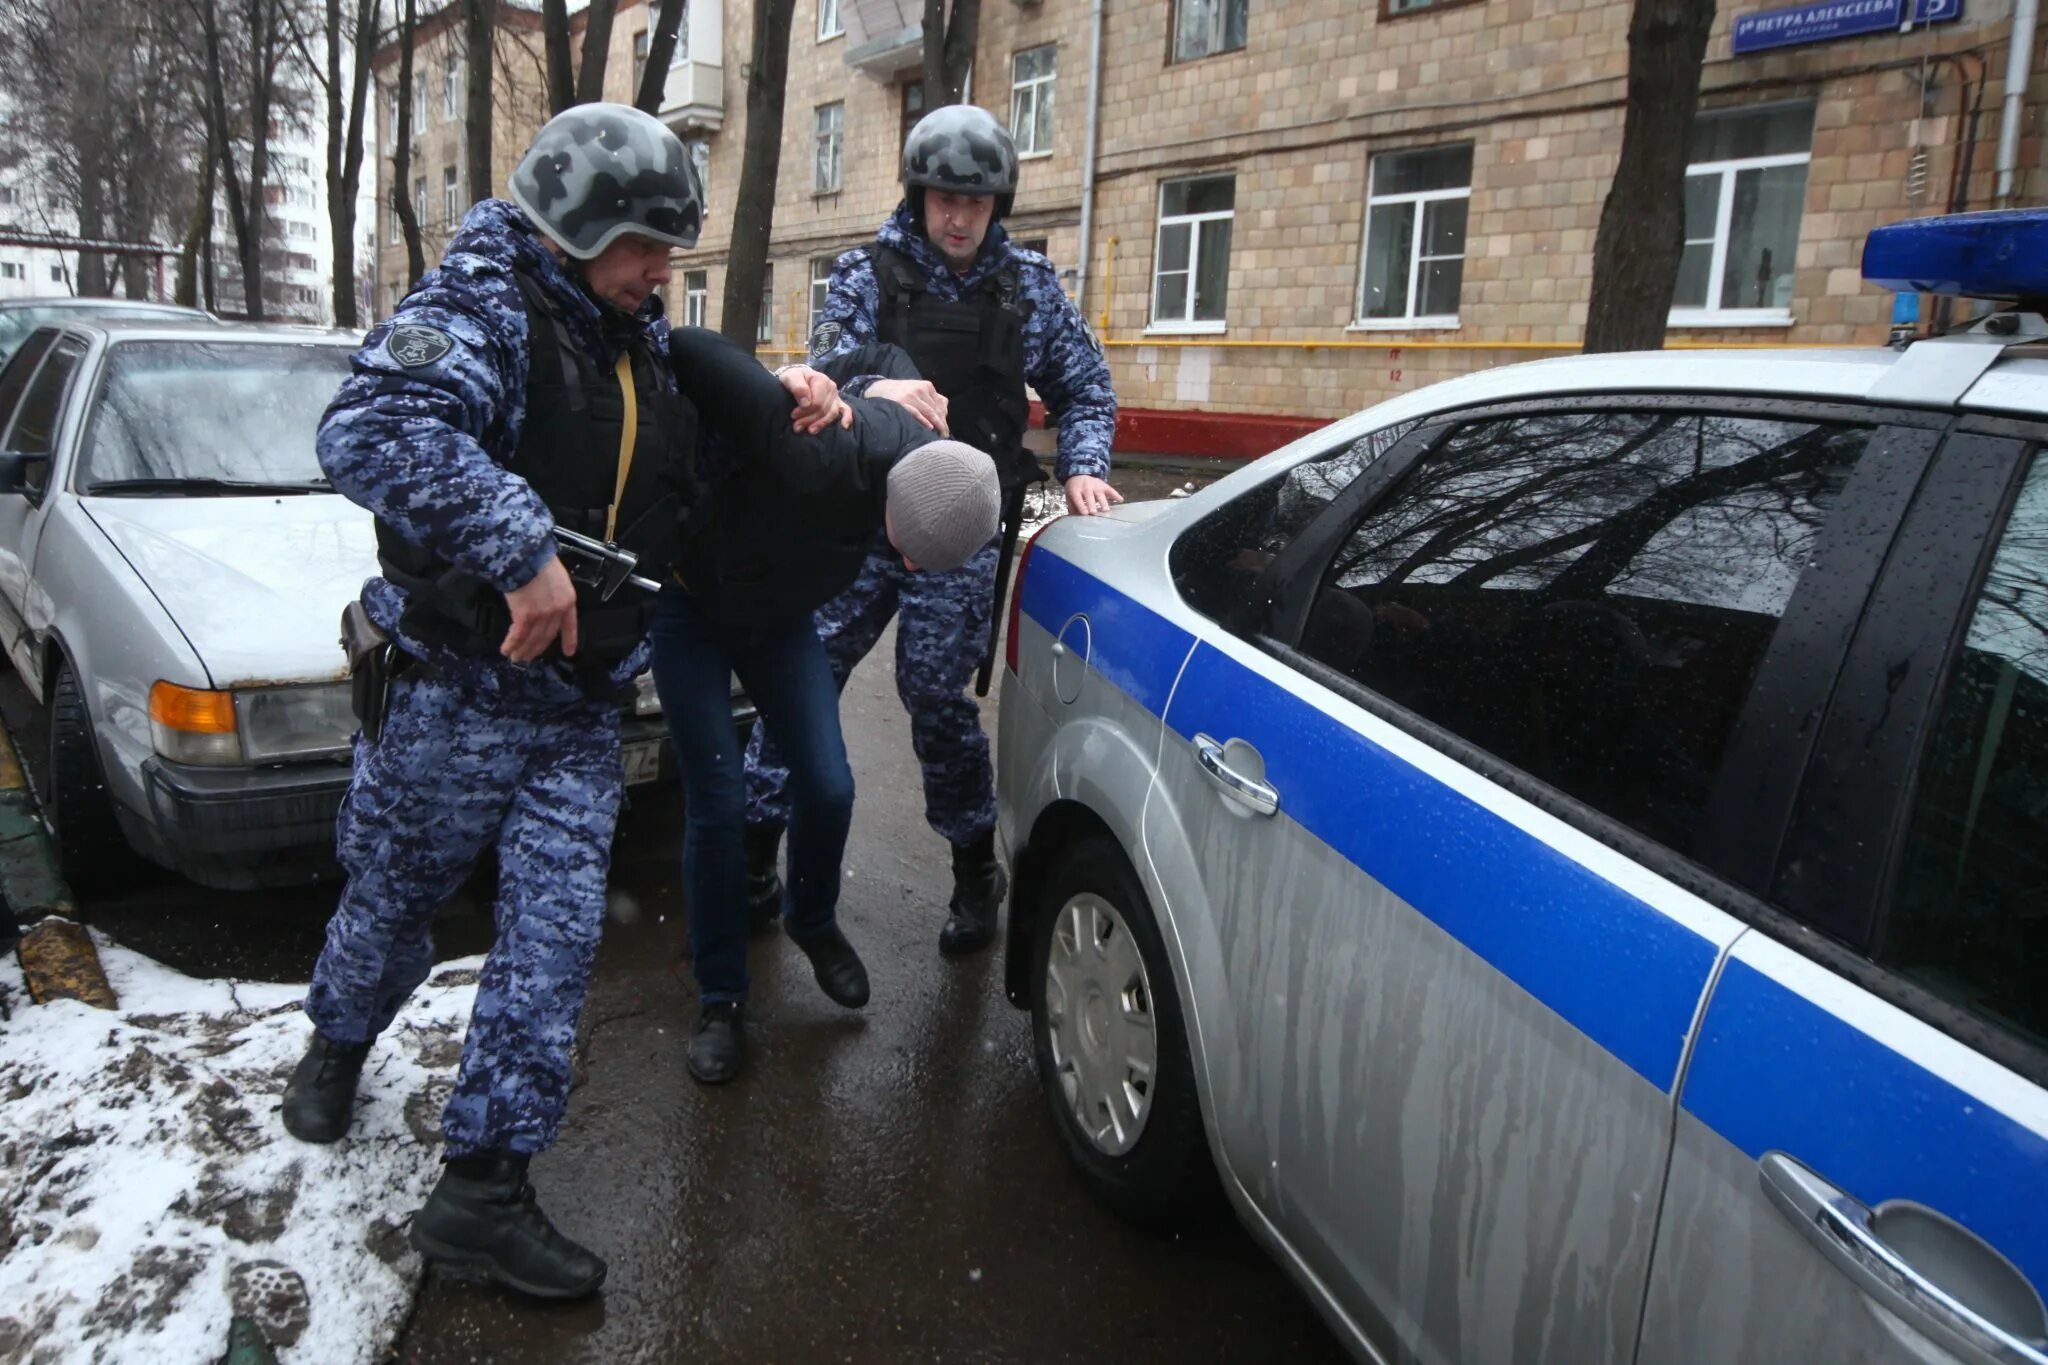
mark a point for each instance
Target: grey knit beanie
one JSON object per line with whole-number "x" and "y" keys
{"x": 943, "y": 504}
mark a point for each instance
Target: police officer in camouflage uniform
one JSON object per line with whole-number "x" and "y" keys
{"x": 488, "y": 412}
{"x": 981, "y": 318}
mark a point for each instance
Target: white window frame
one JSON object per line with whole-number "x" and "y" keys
{"x": 56, "y": 274}
{"x": 13, "y": 270}
{"x": 1222, "y": 16}
{"x": 420, "y": 105}
{"x": 830, "y": 25}
{"x": 1188, "y": 325}
{"x": 391, "y": 118}
{"x": 1413, "y": 322}
{"x": 681, "y": 55}
{"x": 1030, "y": 89}
{"x": 1724, "y": 220}
{"x": 696, "y": 297}
{"x": 419, "y": 201}
{"x": 821, "y": 289}
{"x": 835, "y": 138}
{"x": 397, "y": 225}
{"x": 764, "y": 330}
{"x": 451, "y": 86}
{"x": 451, "y": 187}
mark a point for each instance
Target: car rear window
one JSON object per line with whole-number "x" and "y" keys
{"x": 210, "y": 410}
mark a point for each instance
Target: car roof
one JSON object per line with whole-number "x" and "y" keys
{"x": 93, "y": 304}
{"x": 181, "y": 329}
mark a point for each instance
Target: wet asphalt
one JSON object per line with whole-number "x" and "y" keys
{"x": 881, "y": 1185}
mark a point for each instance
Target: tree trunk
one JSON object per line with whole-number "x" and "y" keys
{"x": 401, "y": 158}
{"x": 197, "y": 231}
{"x": 949, "y": 50}
{"x": 263, "y": 20}
{"x": 345, "y": 149}
{"x": 661, "y": 51}
{"x": 753, "y": 215}
{"x": 554, "y": 19}
{"x": 597, "y": 50}
{"x": 1637, "y": 251}
{"x": 481, "y": 19}
{"x": 92, "y": 223}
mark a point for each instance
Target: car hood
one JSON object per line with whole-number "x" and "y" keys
{"x": 256, "y": 584}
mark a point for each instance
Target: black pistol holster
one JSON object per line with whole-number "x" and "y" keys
{"x": 373, "y": 661}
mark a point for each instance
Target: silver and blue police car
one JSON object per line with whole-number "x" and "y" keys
{"x": 1566, "y": 850}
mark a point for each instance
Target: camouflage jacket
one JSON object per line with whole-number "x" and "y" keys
{"x": 1063, "y": 362}
{"x": 421, "y": 431}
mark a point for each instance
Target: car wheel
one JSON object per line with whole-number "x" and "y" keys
{"x": 91, "y": 850}
{"x": 1112, "y": 1049}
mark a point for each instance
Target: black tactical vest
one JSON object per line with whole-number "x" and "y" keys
{"x": 569, "y": 454}
{"x": 972, "y": 351}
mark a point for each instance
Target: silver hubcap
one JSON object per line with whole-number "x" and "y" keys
{"x": 1098, "y": 1016}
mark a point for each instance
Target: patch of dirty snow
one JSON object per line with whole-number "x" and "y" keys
{"x": 149, "y": 1193}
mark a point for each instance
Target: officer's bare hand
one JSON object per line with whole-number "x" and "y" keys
{"x": 818, "y": 404}
{"x": 926, "y": 403}
{"x": 1088, "y": 495}
{"x": 543, "y": 611}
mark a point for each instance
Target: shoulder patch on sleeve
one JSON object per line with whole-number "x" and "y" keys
{"x": 413, "y": 345}
{"x": 825, "y": 339}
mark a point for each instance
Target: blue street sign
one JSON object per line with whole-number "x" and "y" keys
{"x": 1833, "y": 19}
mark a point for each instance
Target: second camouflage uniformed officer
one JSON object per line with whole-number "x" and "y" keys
{"x": 981, "y": 318}
{"x": 523, "y": 389}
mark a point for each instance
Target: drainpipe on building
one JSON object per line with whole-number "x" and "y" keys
{"x": 1088, "y": 156}
{"x": 2019, "y": 63}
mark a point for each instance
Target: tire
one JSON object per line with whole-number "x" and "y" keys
{"x": 92, "y": 852}
{"x": 1153, "y": 1168}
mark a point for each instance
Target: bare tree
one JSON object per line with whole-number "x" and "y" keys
{"x": 597, "y": 49}
{"x": 401, "y": 156}
{"x": 554, "y": 18}
{"x": 247, "y": 43}
{"x": 949, "y": 49}
{"x": 586, "y": 84}
{"x": 661, "y": 50}
{"x": 1641, "y": 240}
{"x": 753, "y": 216}
{"x": 353, "y": 30}
{"x": 480, "y": 24}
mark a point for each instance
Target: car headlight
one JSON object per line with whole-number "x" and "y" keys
{"x": 259, "y": 725}
{"x": 280, "y": 724}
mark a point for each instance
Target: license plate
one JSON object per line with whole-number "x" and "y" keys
{"x": 643, "y": 762}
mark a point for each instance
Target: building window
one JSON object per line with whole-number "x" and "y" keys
{"x": 766, "y": 330}
{"x": 12, "y": 270}
{"x": 1394, "y": 9}
{"x": 913, "y": 109}
{"x": 419, "y": 201}
{"x": 1203, "y": 28}
{"x": 451, "y": 202}
{"x": 681, "y": 54}
{"x": 56, "y": 274}
{"x": 1414, "y": 258}
{"x": 1031, "y": 78}
{"x": 641, "y": 41}
{"x": 1744, "y": 192}
{"x": 1191, "y": 264}
{"x": 831, "y": 141}
{"x": 451, "y": 85}
{"x": 391, "y": 119}
{"x": 1036, "y": 244}
{"x": 696, "y": 297}
{"x": 9, "y": 196}
{"x": 419, "y": 106}
{"x": 828, "y": 20}
{"x": 397, "y": 225}
{"x": 821, "y": 286}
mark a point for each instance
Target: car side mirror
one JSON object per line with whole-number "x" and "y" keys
{"x": 16, "y": 470}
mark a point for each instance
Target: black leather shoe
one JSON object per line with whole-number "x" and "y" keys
{"x": 714, "y": 1053}
{"x": 764, "y": 888}
{"x": 837, "y": 967}
{"x": 978, "y": 889}
{"x": 320, "y": 1098}
{"x": 482, "y": 1221}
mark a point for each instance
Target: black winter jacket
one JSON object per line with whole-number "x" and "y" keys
{"x": 787, "y": 529}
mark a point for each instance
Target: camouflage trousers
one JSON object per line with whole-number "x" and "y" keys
{"x": 458, "y": 770}
{"x": 939, "y": 642}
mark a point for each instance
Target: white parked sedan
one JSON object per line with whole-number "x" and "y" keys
{"x": 173, "y": 568}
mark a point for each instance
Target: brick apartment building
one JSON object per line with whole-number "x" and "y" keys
{"x": 1299, "y": 207}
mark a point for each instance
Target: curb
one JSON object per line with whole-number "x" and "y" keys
{"x": 58, "y": 959}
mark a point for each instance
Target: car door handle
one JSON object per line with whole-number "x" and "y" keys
{"x": 1845, "y": 1230}
{"x": 1252, "y": 793}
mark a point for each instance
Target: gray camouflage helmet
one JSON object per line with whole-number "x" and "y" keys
{"x": 961, "y": 148}
{"x": 598, "y": 171}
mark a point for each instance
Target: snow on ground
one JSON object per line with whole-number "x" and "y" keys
{"x": 149, "y": 1193}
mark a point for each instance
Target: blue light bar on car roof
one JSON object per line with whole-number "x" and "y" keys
{"x": 2002, "y": 255}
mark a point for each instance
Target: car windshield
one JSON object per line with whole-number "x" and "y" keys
{"x": 17, "y": 323}
{"x": 214, "y": 415}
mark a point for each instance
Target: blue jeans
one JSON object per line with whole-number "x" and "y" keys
{"x": 786, "y": 673}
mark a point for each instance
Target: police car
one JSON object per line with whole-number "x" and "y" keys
{"x": 1567, "y": 849}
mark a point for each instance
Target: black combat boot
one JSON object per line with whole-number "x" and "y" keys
{"x": 714, "y": 1052}
{"x": 978, "y": 889}
{"x": 320, "y": 1098}
{"x": 764, "y": 888}
{"x": 481, "y": 1220}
